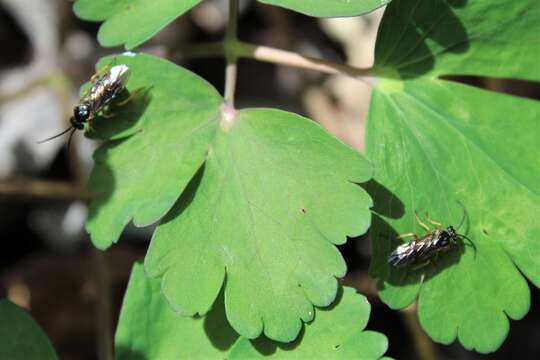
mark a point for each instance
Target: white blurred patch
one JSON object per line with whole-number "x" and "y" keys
{"x": 61, "y": 227}
{"x": 341, "y": 106}
{"x": 78, "y": 46}
{"x": 212, "y": 15}
{"x": 23, "y": 122}
{"x": 38, "y": 113}
{"x": 40, "y": 21}
{"x": 73, "y": 221}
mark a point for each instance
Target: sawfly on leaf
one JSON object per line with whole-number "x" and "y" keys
{"x": 421, "y": 250}
{"x": 105, "y": 88}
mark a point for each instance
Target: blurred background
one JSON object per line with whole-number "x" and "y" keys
{"x": 47, "y": 263}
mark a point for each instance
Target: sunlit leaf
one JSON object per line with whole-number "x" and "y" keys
{"x": 140, "y": 177}
{"x": 438, "y": 144}
{"x": 329, "y": 8}
{"x": 131, "y": 22}
{"x": 336, "y": 333}
{"x": 273, "y": 193}
{"x": 149, "y": 329}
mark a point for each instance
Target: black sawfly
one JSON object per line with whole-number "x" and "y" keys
{"x": 421, "y": 250}
{"x": 104, "y": 89}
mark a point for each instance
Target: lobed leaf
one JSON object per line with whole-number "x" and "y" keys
{"x": 140, "y": 177}
{"x": 329, "y": 8}
{"x": 336, "y": 333}
{"x": 447, "y": 143}
{"x": 131, "y": 22}
{"x": 272, "y": 195}
{"x": 149, "y": 329}
{"x": 20, "y": 337}
{"x": 275, "y": 194}
{"x": 430, "y": 38}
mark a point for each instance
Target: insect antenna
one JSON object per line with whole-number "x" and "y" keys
{"x": 465, "y": 215}
{"x": 470, "y": 242}
{"x": 69, "y": 139}
{"x": 57, "y": 135}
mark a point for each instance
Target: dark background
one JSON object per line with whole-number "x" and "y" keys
{"x": 47, "y": 263}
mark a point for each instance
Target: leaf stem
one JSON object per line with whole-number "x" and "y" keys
{"x": 231, "y": 55}
{"x": 289, "y": 58}
{"x": 240, "y": 49}
{"x": 43, "y": 189}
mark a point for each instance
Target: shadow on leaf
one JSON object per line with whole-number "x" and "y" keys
{"x": 268, "y": 347}
{"x": 102, "y": 178}
{"x": 116, "y": 130}
{"x": 387, "y": 204}
{"x": 217, "y": 328}
{"x": 413, "y": 35}
{"x": 121, "y": 120}
{"x": 385, "y": 240}
{"x": 124, "y": 353}
{"x": 186, "y": 198}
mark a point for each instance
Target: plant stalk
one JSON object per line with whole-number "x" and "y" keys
{"x": 103, "y": 306}
{"x": 231, "y": 38}
{"x": 43, "y": 189}
{"x": 240, "y": 49}
{"x": 289, "y": 58}
{"x": 425, "y": 349}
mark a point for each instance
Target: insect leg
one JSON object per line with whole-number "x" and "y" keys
{"x": 105, "y": 70}
{"x": 403, "y": 236}
{"x": 130, "y": 97}
{"x": 106, "y": 112}
{"x": 94, "y": 78}
{"x": 433, "y": 222}
{"x": 98, "y": 74}
{"x": 421, "y": 265}
{"x": 107, "y": 115}
{"x": 424, "y": 226}
{"x": 432, "y": 261}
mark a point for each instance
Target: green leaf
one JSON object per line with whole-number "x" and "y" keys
{"x": 336, "y": 333}
{"x": 275, "y": 194}
{"x": 447, "y": 143}
{"x": 149, "y": 329}
{"x": 131, "y": 22}
{"x": 430, "y": 38}
{"x": 20, "y": 337}
{"x": 329, "y": 8}
{"x": 141, "y": 177}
